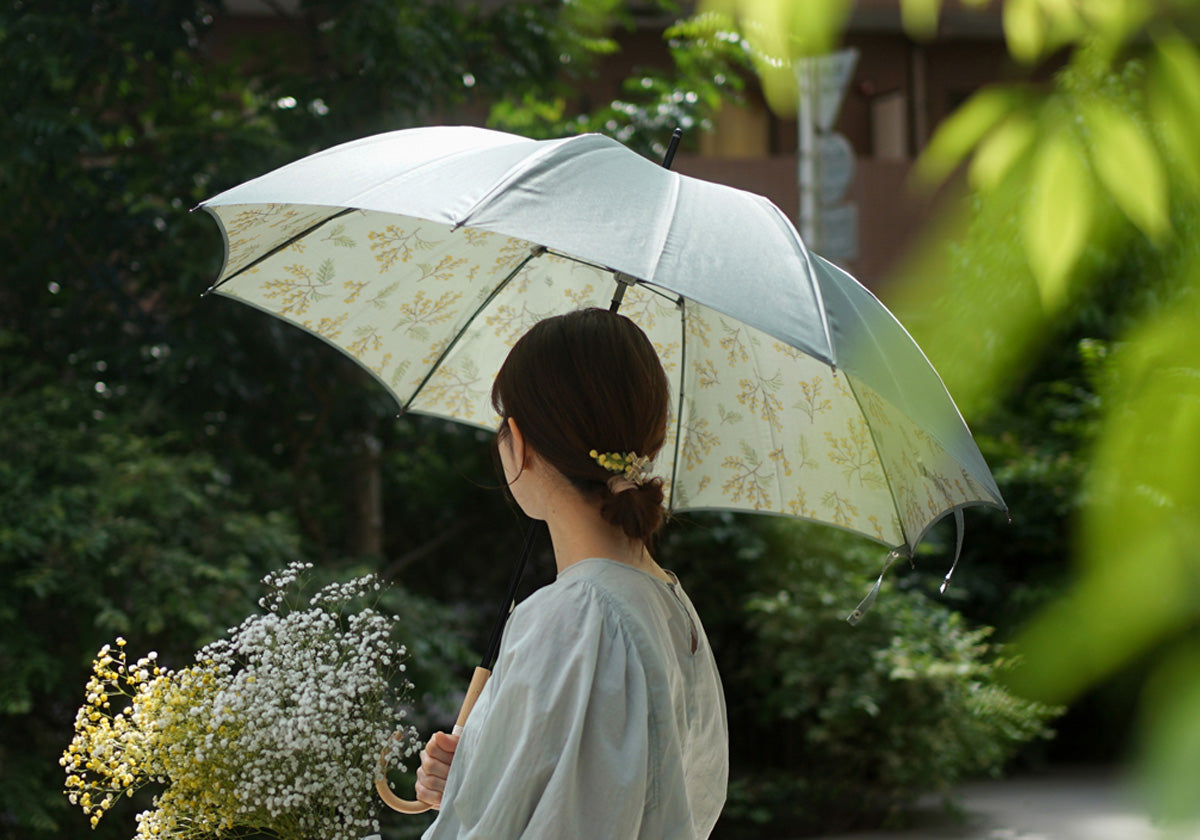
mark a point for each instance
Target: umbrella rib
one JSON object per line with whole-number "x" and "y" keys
{"x": 285, "y": 244}
{"x": 679, "y": 408}
{"x": 886, "y": 475}
{"x": 535, "y": 251}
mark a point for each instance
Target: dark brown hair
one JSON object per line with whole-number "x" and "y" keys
{"x": 590, "y": 380}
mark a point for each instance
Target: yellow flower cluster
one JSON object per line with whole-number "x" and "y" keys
{"x": 114, "y": 752}
{"x": 273, "y": 730}
{"x": 107, "y": 756}
{"x": 630, "y": 463}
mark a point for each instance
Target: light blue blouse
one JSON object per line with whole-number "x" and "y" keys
{"x": 604, "y": 718}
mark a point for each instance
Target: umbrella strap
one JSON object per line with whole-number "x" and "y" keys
{"x": 960, "y": 526}
{"x": 865, "y": 603}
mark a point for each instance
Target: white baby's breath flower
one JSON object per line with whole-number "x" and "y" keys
{"x": 278, "y": 727}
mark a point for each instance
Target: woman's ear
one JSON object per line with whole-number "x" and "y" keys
{"x": 517, "y": 440}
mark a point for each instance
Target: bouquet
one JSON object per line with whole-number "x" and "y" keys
{"x": 279, "y": 727}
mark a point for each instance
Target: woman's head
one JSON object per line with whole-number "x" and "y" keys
{"x": 590, "y": 381}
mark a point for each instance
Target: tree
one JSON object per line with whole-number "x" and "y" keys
{"x": 162, "y": 450}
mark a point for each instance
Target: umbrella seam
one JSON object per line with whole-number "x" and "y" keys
{"x": 818, "y": 293}
{"x": 448, "y": 156}
{"x": 524, "y": 165}
{"x": 676, "y": 179}
{"x": 891, "y": 318}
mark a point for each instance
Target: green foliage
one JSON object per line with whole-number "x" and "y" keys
{"x": 708, "y": 63}
{"x": 104, "y": 531}
{"x": 1039, "y": 378}
{"x": 860, "y": 720}
{"x": 1107, "y": 156}
{"x": 159, "y": 450}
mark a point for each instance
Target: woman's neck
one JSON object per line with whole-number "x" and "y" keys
{"x": 579, "y": 532}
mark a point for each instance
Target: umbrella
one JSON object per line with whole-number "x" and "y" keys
{"x": 425, "y": 253}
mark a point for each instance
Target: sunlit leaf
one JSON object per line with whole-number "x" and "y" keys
{"x": 920, "y": 17}
{"x": 1059, "y": 216}
{"x": 1116, "y": 20}
{"x": 813, "y": 27}
{"x": 1001, "y": 149}
{"x": 1129, "y": 168}
{"x": 1024, "y": 29}
{"x": 1174, "y": 96}
{"x": 779, "y": 31}
{"x": 961, "y": 132}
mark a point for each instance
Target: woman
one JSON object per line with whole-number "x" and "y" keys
{"x": 604, "y": 716}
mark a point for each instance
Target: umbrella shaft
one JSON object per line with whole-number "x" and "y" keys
{"x": 493, "y": 647}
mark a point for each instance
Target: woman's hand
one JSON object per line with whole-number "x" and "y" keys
{"x": 435, "y": 767}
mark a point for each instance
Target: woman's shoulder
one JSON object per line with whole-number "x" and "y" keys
{"x": 598, "y": 595}
{"x": 585, "y": 587}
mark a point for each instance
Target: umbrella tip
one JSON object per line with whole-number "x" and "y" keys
{"x": 676, "y": 136}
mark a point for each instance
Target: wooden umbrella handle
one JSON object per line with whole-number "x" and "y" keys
{"x": 409, "y": 806}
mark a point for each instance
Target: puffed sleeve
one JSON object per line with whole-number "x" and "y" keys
{"x": 562, "y": 749}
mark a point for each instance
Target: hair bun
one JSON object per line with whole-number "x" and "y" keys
{"x": 638, "y": 510}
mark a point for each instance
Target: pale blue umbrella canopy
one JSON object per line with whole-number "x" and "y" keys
{"x": 424, "y": 253}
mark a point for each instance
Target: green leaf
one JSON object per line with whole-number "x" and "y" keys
{"x": 1174, "y": 100}
{"x": 1063, "y": 21}
{"x": 1024, "y": 29}
{"x": 1129, "y": 167}
{"x": 325, "y": 272}
{"x": 1115, "y": 20}
{"x": 920, "y": 17}
{"x": 1059, "y": 216}
{"x": 961, "y": 132}
{"x": 998, "y": 153}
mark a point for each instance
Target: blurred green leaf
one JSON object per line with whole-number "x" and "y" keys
{"x": 1115, "y": 21}
{"x": 780, "y": 31}
{"x": 1064, "y": 23}
{"x": 1129, "y": 167}
{"x": 1001, "y": 150}
{"x": 961, "y": 132}
{"x": 1141, "y": 527}
{"x": 1059, "y": 216}
{"x": 1024, "y": 29}
{"x": 1034, "y": 29}
{"x": 920, "y": 17}
{"x": 1174, "y": 100}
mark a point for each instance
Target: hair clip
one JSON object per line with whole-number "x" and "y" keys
{"x": 631, "y": 465}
